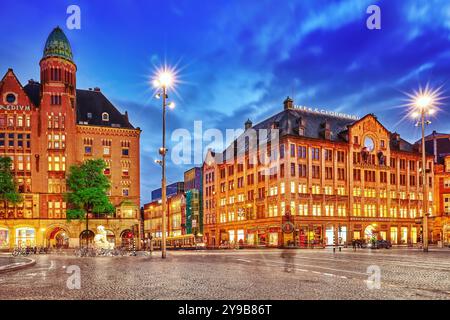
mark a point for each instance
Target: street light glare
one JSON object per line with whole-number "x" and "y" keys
{"x": 164, "y": 77}
{"x": 172, "y": 105}
{"x": 424, "y": 101}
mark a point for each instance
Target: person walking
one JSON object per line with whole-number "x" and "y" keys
{"x": 354, "y": 244}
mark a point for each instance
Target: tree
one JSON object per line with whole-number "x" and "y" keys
{"x": 87, "y": 187}
{"x": 8, "y": 185}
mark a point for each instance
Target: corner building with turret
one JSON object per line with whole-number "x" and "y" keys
{"x": 47, "y": 126}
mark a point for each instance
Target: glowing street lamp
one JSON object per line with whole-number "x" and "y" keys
{"x": 164, "y": 79}
{"x": 422, "y": 103}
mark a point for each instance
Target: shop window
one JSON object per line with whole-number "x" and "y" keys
{"x": 273, "y": 239}
{"x": 4, "y": 238}
{"x": 25, "y": 237}
{"x": 231, "y": 236}
{"x": 394, "y": 235}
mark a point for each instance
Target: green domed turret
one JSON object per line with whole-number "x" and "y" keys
{"x": 57, "y": 45}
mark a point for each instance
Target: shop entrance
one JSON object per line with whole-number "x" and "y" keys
{"x": 58, "y": 239}
{"x": 127, "y": 239}
{"x": 86, "y": 237}
{"x": 329, "y": 235}
{"x": 370, "y": 233}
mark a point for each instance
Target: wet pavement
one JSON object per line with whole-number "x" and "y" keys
{"x": 237, "y": 274}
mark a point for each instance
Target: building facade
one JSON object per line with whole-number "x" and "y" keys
{"x": 47, "y": 126}
{"x": 176, "y": 217}
{"x": 438, "y": 144}
{"x": 194, "y": 195}
{"x": 331, "y": 178}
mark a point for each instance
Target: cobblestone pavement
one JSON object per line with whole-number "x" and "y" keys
{"x": 238, "y": 274}
{"x": 8, "y": 260}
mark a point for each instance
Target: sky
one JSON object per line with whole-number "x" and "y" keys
{"x": 239, "y": 59}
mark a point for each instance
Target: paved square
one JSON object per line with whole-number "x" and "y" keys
{"x": 238, "y": 274}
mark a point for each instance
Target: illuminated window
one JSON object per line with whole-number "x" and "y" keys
{"x": 105, "y": 116}
{"x": 317, "y": 209}
{"x": 342, "y": 210}
{"x": 329, "y": 210}
{"x": 315, "y": 189}
{"x": 302, "y": 188}
{"x": 328, "y": 190}
{"x": 303, "y": 209}
{"x": 356, "y": 191}
{"x": 357, "y": 209}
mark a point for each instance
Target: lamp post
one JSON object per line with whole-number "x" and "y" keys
{"x": 423, "y": 104}
{"x": 164, "y": 80}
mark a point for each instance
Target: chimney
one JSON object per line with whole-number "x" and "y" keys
{"x": 288, "y": 103}
{"x": 248, "y": 124}
{"x": 97, "y": 89}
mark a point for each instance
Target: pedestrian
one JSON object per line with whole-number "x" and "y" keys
{"x": 354, "y": 244}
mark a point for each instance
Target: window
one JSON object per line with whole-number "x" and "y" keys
{"x": 105, "y": 116}
{"x": 341, "y": 156}
{"x": 328, "y": 155}
{"x": 341, "y": 174}
{"x": 125, "y": 192}
{"x": 87, "y": 150}
{"x": 328, "y": 173}
{"x": 303, "y": 209}
{"x": 125, "y": 152}
{"x": 357, "y": 209}
{"x": 292, "y": 169}
{"x": 315, "y": 153}
{"x": 292, "y": 147}
{"x": 357, "y": 174}
{"x": 316, "y": 172}
{"x": 301, "y": 152}
{"x": 302, "y": 170}
{"x": 89, "y": 115}
{"x": 282, "y": 151}
{"x": 10, "y": 98}
{"x": 447, "y": 204}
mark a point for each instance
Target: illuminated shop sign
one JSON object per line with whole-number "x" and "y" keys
{"x": 15, "y": 108}
{"x": 326, "y": 112}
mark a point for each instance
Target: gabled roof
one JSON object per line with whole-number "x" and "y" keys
{"x": 289, "y": 121}
{"x": 91, "y": 104}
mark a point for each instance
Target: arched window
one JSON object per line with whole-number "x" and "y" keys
{"x": 105, "y": 116}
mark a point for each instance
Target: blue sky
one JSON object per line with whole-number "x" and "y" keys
{"x": 240, "y": 59}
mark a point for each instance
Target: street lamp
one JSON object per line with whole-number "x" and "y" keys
{"x": 164, "y": 79}
{"x": 424, "y": 103}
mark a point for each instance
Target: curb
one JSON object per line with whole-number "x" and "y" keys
{"x": 18, "y": 265}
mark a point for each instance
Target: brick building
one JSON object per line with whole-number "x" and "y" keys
{"x": 47, "y": 126}
{"x": 331, "y": 179}
{"x": 438, "y": 144}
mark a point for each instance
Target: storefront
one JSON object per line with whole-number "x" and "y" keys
{"x": 273, "y": 236}
{"x": 251, "y": 237}
{"x": 25, "y": 237}
{"x": 311, "y": 236}
{"x": 329, "y": 235}
{"x": 342, "y": 235}
{"x": 394, "y": 235}
{"x": 4, "y": 238}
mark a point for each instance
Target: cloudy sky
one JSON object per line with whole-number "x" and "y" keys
{"x": 239, "y": 59}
